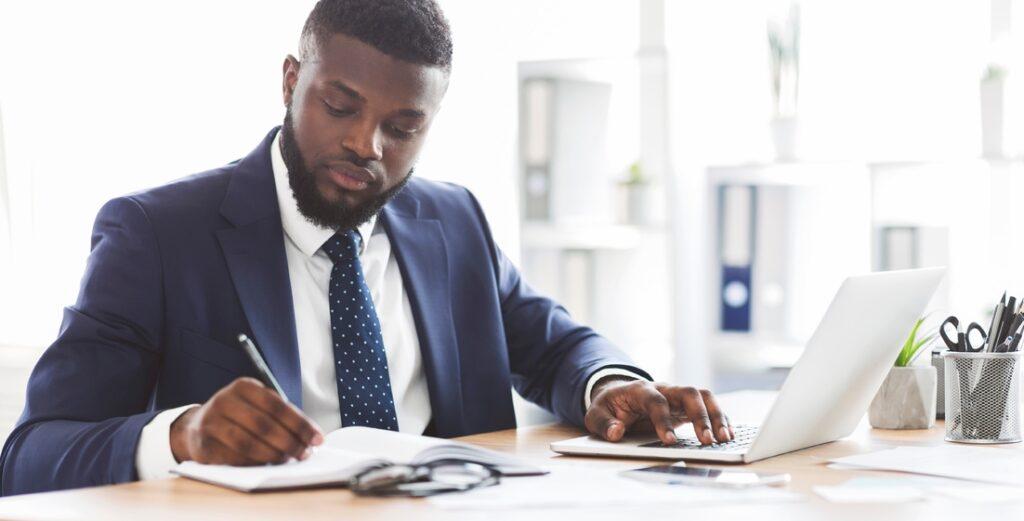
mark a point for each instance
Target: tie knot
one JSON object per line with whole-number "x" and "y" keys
{"x": 342, "y": 246}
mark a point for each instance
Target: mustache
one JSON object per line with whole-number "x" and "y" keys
{"x": 369, "y": 169}
{"x": 311, "y": 203}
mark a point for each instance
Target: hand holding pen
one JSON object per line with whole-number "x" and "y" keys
{"x": 248, "y": 422}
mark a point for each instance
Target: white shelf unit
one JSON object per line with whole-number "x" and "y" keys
{"x": 970, "y": 205}
{"x": 620, "y": 237}
{"x": 611, "y": 277}
{"x": 582, "y": 123}
{"x": 811, "y": 229}
{"x": 969, "y": 209}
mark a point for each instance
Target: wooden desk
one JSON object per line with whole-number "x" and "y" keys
{"x": 184, "y": 499}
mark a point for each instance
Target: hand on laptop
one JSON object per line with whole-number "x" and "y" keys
{"x": 245, "y": 423}
{"x": 622, "y": 405}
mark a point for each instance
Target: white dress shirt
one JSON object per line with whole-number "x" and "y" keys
{"x": 309, "y": 270}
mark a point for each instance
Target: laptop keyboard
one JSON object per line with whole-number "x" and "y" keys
{"x": 745, "y": 435}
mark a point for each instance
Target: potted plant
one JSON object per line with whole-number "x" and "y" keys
{"x": 992, "y": 104}
{"x": 635, "y": 189}
{"x": 784, "y": 65}
{"x": 906, "y": 399}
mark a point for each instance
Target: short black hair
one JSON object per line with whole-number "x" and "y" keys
{"x": 415, "y": 31}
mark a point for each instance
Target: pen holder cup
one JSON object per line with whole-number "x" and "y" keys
{"x": 982, "y": 397}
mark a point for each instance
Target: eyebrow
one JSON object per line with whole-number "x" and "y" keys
{"x": 412, "y": 113}
{"x": 349, "y": 91}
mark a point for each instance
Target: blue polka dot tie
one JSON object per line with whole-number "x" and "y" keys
{"x": 364, "y": 389}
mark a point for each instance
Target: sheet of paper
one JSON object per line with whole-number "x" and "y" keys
{"x": 857, "y": 494}
{"x": 912, "y": 480}
{"x": 987, "y": 464}
{"x": 980, "y": 494}
{"x": 904, "y": 488}
{"x": 597, "y": 487}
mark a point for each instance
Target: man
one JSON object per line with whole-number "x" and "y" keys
{"x": 377, "y": 298}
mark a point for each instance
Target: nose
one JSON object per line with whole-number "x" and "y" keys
{"x": 364, "y": 140}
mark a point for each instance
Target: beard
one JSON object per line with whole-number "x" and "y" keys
{"x": 311, "y": 203}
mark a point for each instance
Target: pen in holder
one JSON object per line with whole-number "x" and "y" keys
{"x": 982, "y": 397}
{"x": 940, "y": 390}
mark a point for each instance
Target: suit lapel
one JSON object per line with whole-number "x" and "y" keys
{"x": 254, "y": 252}
{"x": 255, "y": 256}
{"x": 419, "y": 247}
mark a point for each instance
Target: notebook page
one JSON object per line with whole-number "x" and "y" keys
{"x": 327, "y": 465}
{"x": 377, "y": 443}
{"x": 411, "y": 449}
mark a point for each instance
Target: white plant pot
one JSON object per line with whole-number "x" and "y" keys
{"x": 635, "y": 203}
{"x": 906, "y": 399}
{"x": 992, "y": 120}
{"x": 784, "y": 133}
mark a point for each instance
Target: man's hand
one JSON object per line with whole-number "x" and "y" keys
{"x": 245, "y": 423}
{"x": 620, "y": 405}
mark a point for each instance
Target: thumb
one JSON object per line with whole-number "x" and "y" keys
{"x": 601, "y": 422}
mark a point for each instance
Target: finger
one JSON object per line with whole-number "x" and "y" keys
{"x": 690, "y": 401}
{"x": 657, "y": 409}
{"x": 613, "y": 413}
{"x": 718, "y": 422}
{"x": 263, "y": 427}
{"x": 246, "y": 443}
{"x": 676, "y": 402}
{"x": 303, "y": 428}
{"x": 600, "y": 421}
{"x": 698, "y": 414}
{"x": 215, "y": 452}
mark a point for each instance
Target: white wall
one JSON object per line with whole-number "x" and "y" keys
{"x": 879, "y": 80}
{"x": 474, "y": 138}
{"x": 102, "y": 98}
{"x": 106, "y": 97}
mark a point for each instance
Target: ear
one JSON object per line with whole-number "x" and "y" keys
{"x": 289, "y": 78}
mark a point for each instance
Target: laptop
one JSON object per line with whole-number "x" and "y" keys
{"x": 828, "y": 390}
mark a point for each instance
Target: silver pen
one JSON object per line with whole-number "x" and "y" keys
{"x": 262, "y": 369}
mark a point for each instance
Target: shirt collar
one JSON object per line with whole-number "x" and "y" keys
{"x": 307, "y": 236}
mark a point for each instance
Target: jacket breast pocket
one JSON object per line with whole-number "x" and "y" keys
{"x": 227, "y": 357}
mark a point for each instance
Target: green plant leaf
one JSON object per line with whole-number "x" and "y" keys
{"x": 918, "y": 350}
{"x": 909, "y": 347}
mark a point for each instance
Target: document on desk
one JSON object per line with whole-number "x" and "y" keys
{"x": 346, "y": 452}
{"x": 987, "y": 464}
{"x": 903, "y": 489}
{"x": 855, "y": 494}
{"x": 585, "y": 486}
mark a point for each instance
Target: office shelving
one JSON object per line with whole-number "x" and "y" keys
{"x": 963, "y": 212}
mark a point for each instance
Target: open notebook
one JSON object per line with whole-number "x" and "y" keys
{"x": 344, "y": 453}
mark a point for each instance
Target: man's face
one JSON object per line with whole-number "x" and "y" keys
{"x": 356, "y": 121}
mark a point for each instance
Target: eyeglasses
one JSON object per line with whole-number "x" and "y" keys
{"x": 438, "y": 477}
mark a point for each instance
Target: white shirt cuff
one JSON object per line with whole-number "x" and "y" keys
{"x": 602, "y": 373}
{"x": 153, "y": 456}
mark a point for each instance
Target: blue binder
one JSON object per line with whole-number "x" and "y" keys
{"x": 736, "y": 225}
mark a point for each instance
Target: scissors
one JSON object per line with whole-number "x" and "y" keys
{"x": 962, "y": 343}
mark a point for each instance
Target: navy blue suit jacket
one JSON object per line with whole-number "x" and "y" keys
{"x": 176, "y": 272}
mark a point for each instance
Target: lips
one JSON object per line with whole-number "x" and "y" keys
{"x": 350, "y": 177}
